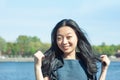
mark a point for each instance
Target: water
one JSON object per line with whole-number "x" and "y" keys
{"x": 25, "y": 71}
{"x": 17, "y": 71}
{"x": 113, "y": 72}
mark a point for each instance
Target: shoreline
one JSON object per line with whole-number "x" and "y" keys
{"x": 115, "y": 59}
{"x": 31, "y": 59}
{"x": 17, "y": 59}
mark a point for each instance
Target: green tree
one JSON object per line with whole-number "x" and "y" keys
{"x": 2, "y": 46}
{"x": 34, "y": 44}
{"x": 105, "y": 49}
{"x": 12, "y": 49}
{"x": 23, "y": 42}
{"x": 28, "y": 45}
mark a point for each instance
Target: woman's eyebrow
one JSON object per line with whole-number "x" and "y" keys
{"x": 61, "y": 34}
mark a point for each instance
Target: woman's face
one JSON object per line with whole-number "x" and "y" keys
{"x": 67, "y": 40}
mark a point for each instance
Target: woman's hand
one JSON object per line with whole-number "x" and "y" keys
{"x": 105, "y": 62}
{"x": 38, "y": 56}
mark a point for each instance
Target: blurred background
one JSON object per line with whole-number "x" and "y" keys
{"x": 26, "y": 25}
{"x": 100, "y": 19}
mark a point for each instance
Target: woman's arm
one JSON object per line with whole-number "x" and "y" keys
{"x": 38, "y": 56}
{"x": 38, "y": 73}
{"x": 105, "y": 64}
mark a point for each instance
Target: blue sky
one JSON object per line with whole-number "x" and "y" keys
{"x": 99, "y": 18}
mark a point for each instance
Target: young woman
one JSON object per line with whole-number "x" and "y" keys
{"x": 70, "y": 56}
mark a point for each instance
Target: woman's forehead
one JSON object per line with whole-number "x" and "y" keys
{"x": 65, "y": 29}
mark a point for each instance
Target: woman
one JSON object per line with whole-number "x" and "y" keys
{"x": 70, "y": 56}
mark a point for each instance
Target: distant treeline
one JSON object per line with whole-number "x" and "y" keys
{"x": 23, "y": 46}
{"x": 110, "y": 50}
{"x": 27, "y": 46}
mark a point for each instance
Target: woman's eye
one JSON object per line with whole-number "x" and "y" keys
{"x": 69, "y": 37}
{"x": 59, "y": 38}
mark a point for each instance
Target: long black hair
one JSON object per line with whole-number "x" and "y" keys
{"x": 85, "y": 52}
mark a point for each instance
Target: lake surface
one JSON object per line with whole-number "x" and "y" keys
{"x": 25, "y": 71}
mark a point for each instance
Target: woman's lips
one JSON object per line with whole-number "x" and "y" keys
{"x": 65, "y": 47}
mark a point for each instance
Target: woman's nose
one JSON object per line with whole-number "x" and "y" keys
{"x": 65, "y": 41}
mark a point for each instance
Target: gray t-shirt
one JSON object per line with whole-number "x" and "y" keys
{"x": 72, "y": 70}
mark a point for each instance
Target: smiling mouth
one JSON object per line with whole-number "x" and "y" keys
{"x": 65, "y": 47}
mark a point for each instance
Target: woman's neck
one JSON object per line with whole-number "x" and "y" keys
{"x": 70, "y": 56}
